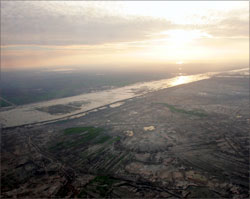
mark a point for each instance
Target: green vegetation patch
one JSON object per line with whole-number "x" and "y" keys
{"x": 103, "y": 184}
{"x": 4, "y": 103}
{"x": 172, "y": 108}
{"x": 77, "y": 130}
{"x": 103, "y": 139}
{"x": 91, "y": 134}
{"x": 82, "y": 135}
{"x": 114, "y": 140}
{"x": 58, "y": 109}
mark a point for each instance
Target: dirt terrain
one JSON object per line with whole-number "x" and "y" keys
{"x": 188, "y": 141}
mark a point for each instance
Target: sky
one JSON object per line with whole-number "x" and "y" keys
{"x": 38, "y": 34}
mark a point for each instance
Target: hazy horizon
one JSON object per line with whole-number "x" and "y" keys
{"x": 124, "y": 35}
{"x": 124, "y": 99}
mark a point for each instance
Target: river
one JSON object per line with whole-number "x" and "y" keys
{"x": 35, "y": 113}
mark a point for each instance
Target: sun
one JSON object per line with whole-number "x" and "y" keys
{"x": 182, "y": 37}
{"x": 179, "y": 62}
{"x": 178, "y": 45}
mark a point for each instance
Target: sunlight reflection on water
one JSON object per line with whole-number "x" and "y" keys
{"x": 182, "y": 80}
{"x": 28, "y": 114}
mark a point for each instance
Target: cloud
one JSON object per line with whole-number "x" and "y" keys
{"x": 230, "y": 24}
{"x": 43, "y": 27}
{"x": 52, "y": 33}
{"x": 230, "y": 27}
{"x": 88, "y": 23}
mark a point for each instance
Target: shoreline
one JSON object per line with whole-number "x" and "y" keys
{"x": 98, "y": 100}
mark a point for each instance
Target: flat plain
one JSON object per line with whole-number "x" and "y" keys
{"x": 188, "y": 141}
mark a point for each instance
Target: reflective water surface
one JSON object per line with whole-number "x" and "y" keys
{"x": 31, "y": 113}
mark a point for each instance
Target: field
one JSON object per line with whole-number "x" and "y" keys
{"x": 189, "y": 141}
